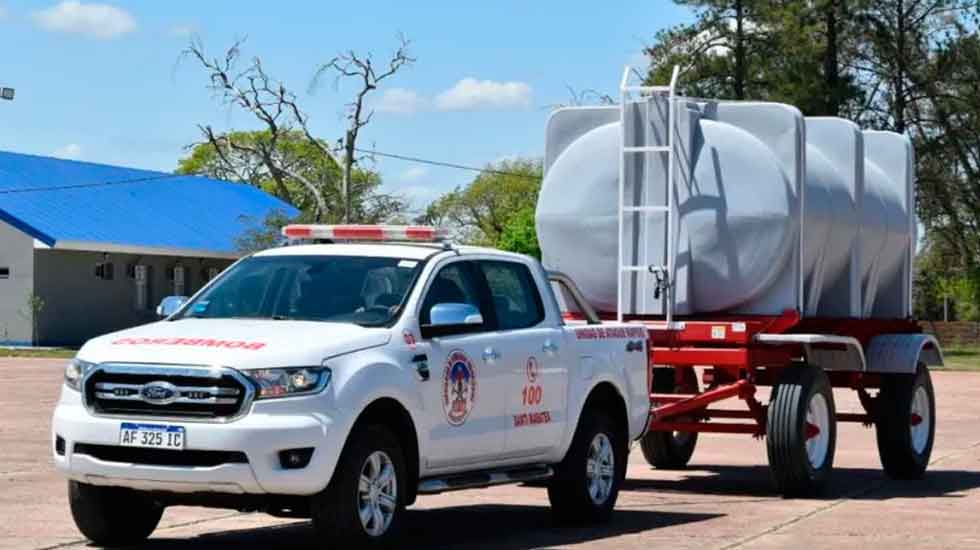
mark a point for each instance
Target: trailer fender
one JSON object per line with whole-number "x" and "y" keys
{"x": 902, "y": 353}
{"x": 829, "y": 352}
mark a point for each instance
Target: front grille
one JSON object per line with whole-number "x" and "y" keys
{"x": 159, "y": 457}
{"x": 200, "y": 393}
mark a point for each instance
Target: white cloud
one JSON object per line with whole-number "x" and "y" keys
{"x": 3, "y": 13}
{"x": 183, "y": 31}
{"x": 102, "y": 21}
{"x": 470, "y": 94}
{"x": 413, "y": 174}
{"x": 72, "y": 151}
{"x": 400, "y": 100}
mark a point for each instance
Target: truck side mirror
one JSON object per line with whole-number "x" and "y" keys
{"x": 452, "y": 318}
{"x": 169, "y": 305}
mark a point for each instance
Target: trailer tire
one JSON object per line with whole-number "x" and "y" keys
{"x": 905, "y": 423}
{"x": 112, "y": 516}
{"x": 573, "y": 490}
{"x": 671, "y": 450}
{"x": 337, "y": 510}
{"x": 801, "y": 431}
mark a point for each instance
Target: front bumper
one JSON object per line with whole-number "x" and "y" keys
{"x": 270, "y": 427}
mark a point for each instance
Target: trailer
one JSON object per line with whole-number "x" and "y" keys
{"x": 836, "y": 316}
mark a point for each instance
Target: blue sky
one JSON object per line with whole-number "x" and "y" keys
{"x": 101, "y": 81}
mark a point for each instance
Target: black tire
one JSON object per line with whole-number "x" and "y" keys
{"x": 569, "y": 490}
{"x": 335, "y": 510}
{"x": 112, "y": 516}
{"x": 671, "y": 450}
{"x": 902, "y": 455}
{"x": 793, "y": 470}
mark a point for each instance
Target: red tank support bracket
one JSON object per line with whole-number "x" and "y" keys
{"x": 697, "y": 402}
{"x": 741, "y": 357}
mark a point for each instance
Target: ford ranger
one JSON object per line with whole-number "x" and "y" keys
{"x": 339, "y": 378}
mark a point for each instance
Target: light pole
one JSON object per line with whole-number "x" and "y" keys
{"x": 7, "y": 93}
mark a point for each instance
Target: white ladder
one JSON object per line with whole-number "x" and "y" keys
{"x": 663, "y": 273}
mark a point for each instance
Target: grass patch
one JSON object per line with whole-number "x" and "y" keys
{"x": 962, "y": 358}
{"x": 38, "y": 352}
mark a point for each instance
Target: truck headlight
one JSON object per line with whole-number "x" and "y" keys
{"x": 287, "y": 382}
{"x": 75, "y": 371}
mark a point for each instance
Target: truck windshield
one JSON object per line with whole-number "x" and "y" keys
{"x": 344, "y": 289}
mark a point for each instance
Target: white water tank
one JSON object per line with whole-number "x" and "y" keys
{"x": 773, "y": 211}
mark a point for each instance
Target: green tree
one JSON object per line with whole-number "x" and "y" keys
{"x": 519, "y": 234}
{"x": 480, "y": 212}
{"x": 945, "y": 283}
{"x": 724, "y": 53}
{"x": 728, "y": 52}
{"x": 293, "y": 157}
{"x": 945, "y": 123}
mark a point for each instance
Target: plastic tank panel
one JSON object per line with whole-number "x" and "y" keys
{"x": 742, "y": 196}
{"x": 739, "y": 169}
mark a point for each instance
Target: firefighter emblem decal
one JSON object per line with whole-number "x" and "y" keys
{"x": 458, "y": 388}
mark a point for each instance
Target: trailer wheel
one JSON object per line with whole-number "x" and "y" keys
{"x": 905, "y": 423}
{"x": 671, "y": 450}
{"x": 801, "y": 431}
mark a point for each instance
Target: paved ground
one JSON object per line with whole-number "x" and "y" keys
{"x": 723, "y": 501}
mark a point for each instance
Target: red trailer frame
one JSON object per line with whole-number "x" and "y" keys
{"x": 736, "y": 355}
{"x": 735, "y": 365}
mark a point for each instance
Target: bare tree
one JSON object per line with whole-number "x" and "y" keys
{"x": 360, "y": 68}
{"x": 253, "y": 90}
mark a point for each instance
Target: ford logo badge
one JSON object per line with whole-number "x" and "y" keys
{"x": 159, "y": 393}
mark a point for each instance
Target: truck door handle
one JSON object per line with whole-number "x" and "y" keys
{"x": 549, "y": 347}
{"x": 421, "y": 366}
{"x": 490, "y": 354}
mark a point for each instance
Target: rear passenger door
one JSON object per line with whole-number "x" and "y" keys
{"x": 531, "y": 348}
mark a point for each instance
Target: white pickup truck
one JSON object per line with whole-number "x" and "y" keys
{"x": 339, "y": 381}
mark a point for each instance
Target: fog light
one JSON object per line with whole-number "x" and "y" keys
{"x": 294, "y": 459}
{"x": 59, "y": 445}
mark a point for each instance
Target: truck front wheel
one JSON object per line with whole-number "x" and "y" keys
{"x": 112, "y": 516}
{"x": 362, "y": 505}
{"x": 586, "y": 483}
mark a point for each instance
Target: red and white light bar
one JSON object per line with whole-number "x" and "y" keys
{"x": 417, "y": 233}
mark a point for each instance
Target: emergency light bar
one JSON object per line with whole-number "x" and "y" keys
{"x": 417, "y": 233}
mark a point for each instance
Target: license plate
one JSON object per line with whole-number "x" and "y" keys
{"x": 152, "y": 436}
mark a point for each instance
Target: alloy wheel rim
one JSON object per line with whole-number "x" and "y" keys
{"x": 817, "y": 430}
{"x": 377, "y": 493}
{"x": 600, "y": 468}
{"x": 920, "y": 420}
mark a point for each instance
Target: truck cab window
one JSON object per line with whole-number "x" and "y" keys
{"x": 454, "y": 284}
{"x": 516, "y": 301}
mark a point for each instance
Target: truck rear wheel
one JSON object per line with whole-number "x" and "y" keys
{"x": 112, "y": 516}
{"x": 801, "y": 431}
{"x": 587, "y": 481}
{"x": 671, "y": 450}
{"x": 362, "y": 505}
{"x": 905, "y": 423}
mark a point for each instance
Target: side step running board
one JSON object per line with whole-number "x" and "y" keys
{"x": 485, "y": 478}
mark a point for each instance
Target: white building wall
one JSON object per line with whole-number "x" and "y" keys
{"x": 17, "y": 256}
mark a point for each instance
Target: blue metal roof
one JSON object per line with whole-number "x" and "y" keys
{"x": 62, "y": 200}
